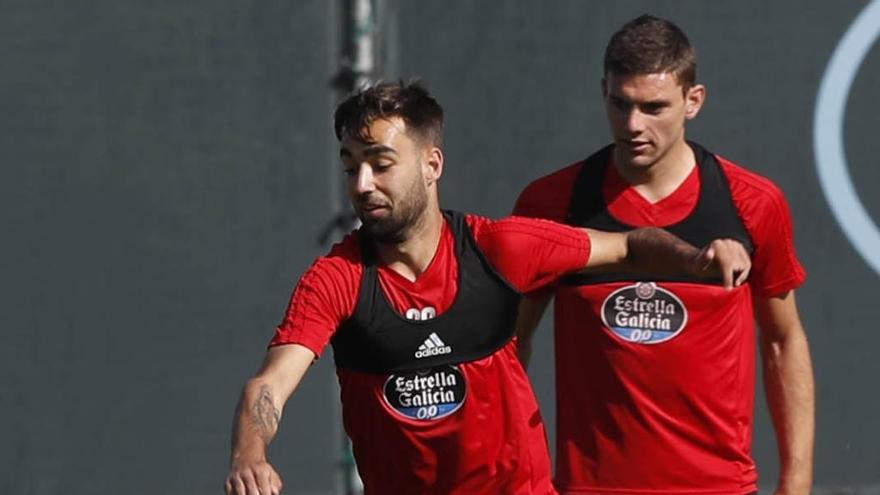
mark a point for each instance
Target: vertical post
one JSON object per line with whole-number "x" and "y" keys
{"x": 357, "y": 68}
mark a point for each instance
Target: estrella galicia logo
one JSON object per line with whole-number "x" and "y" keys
{"x": 644, "y": 313}
{"x": 428, "y": 394}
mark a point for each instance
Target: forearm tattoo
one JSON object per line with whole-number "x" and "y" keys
{"x": 264, "y": 416}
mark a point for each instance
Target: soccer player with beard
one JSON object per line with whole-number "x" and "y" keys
{"x": 655, "y": 375}
{"x": 419, "y": 306}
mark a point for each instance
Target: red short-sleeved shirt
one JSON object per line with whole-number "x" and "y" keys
{"x": 672, "y": 415}
{"x": 495, "y": 443}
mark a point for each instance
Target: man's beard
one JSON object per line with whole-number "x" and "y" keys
{"x": 407, "y": 213}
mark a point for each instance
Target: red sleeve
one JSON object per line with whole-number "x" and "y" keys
{"x": 548, "y": 197}
{"x": 324, "y": 298}
{"x": 767, "y": 217}
{"x": 531, "y": 253}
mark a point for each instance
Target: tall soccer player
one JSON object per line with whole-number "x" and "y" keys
{"x": 655, "y": 375}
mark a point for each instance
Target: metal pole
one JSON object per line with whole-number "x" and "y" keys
{"x": 357, "y": 68}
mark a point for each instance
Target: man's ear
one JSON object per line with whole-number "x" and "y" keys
{"x": 694, "y": 98}
{"x": 433, "y": 166}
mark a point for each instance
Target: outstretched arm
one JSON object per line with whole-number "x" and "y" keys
{"x": 257, "y": 417}
{"x": 647, "y": 250}
{"x": 655, "y": 251}
{"x": 788, "y": 384}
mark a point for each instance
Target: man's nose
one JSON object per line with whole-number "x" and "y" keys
{"x": 634, "y": 121}
{"x": 363, "y": 182}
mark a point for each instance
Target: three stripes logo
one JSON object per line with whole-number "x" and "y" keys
{"x": 432, "y": 346}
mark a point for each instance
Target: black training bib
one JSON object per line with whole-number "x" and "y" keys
{"x": 714, "y": 217}
{"x": 377, "y": 339}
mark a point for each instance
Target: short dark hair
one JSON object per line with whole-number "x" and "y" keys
{"x": 408, "y": 100}
{"x": 650, "y": 45}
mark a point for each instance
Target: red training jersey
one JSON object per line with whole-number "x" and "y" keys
{"x": 669, "y": 415}
{"x": 495, "y": 442}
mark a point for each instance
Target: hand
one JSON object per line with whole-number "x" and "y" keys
{"x": 726, "y": 258}
{"x": 252, "y": 478}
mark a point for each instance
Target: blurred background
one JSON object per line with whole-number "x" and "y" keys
{"x": 169, "y": 170}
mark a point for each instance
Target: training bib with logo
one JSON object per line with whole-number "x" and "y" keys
{"x": 434, "y": 397}
{"x": 655, "y": 376}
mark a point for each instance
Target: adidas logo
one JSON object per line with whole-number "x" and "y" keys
{"x": 432, "y": 346}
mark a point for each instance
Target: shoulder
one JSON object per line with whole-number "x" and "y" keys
{"x": 341, "y": 264}
{"x": 766, "y": 215}
{"x": 551, "y": 182}
{"x": 747, "y": 185}
{"x": 549, "y": 196}
{"x": 753, "y": 194}
{"x": 346, "y": 252}
{"x": 323, "y": 298}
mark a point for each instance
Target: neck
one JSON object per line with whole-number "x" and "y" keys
{"x": 411, "y": 257}
{"x": 662, "y": 178}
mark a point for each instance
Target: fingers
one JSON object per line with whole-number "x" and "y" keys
{"x": 268, "y": 481}
{"x": 258, "y": 479}
{"x": 726, "y": 266}
{"x": 743, "y": 264}
{"x": 235, "y": 485}
{"x": 251, "y": 483}
{"x": 242, "y": 482}
{"x": 727, "y": 261}
{"x": 744, "y": 274}
{"x": 263, "y": 482}
{"x": 276, "y": 483}
{"x": 732, "y": 261}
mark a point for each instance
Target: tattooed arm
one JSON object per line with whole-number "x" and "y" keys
{"x": 257, "y": 417}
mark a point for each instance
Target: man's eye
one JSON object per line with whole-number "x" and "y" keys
{"x": 653, "y": 109}
{"x": 349, "y": 172}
